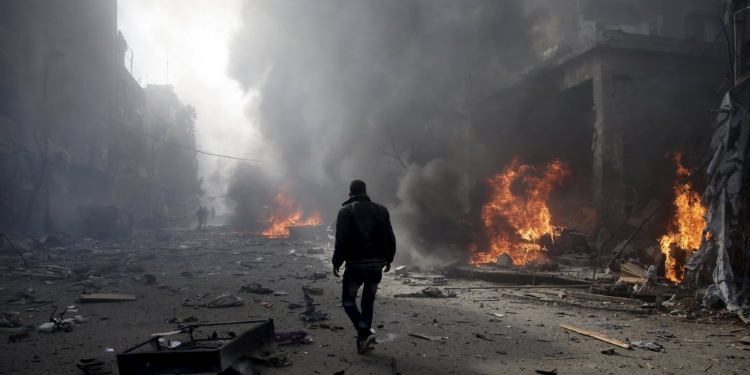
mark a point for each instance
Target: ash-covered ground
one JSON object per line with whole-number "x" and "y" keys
{"x": 480, "y": 331}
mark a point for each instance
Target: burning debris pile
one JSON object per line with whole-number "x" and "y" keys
{"x": 289, "y": 213}
{"x": 261, "y": 208}
{"x": 686, "y": 227}
{"x": 516, "y": 215}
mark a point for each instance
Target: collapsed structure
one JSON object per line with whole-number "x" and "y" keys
{"x": 628, "y": 83}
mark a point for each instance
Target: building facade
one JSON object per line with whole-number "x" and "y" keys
{"x": 625, "y": 84}
{"x": 74, "y": 123}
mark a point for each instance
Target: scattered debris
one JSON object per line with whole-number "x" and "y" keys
{"x": 256, "y": 288}
{"x": 216, "y": 354}
{"x": 92, "y": 366}
{"x": 107, "y": 297}
{"x": 225, "y": 300}
{"x": 429, "y": 292}
{"x": 653, "y": 346}
{"x": 147, "y": 279}
{"x": 401, "y": 270}
{"x": 426, "y": 337}
{"x": 597, "y": 336}
{"x": 311, "y": 314}
{"x": 312, "y": 290}
{"x": 47, "y": 327}
{"x": 315, "y": 250}
{"x": 597, "y": 297}
{"x": 294, "y": 337}
{"x": 325, "y": 326}
{"x": 483, "y": 336}
{"x": 606, "y": 324}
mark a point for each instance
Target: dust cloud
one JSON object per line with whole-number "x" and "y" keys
{"x": 379, "y": 91}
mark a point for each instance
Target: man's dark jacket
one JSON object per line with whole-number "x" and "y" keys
{"x": 363, "y": 233}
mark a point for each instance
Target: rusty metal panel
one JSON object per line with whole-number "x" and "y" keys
{"x": 194, "y": 359}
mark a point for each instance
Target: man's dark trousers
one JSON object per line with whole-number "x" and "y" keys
{"x": 354, "y": 277}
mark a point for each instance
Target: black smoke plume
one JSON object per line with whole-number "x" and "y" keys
{"x": 378, "y": 91}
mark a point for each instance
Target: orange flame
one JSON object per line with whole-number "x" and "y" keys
{"x": 686, "y": 227}
{"x": 517, "y": 208}
{"x": 288, "y": 214}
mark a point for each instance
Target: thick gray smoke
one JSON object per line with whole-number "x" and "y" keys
{"x": 379, "y": 91}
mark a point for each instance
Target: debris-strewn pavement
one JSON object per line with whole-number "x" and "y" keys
{"x": 478, "y": 332}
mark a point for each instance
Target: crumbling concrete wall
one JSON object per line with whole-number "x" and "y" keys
{"x": 651, "y": 96}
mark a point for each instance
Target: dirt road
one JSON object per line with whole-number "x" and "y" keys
{"x": 523, "y": 337}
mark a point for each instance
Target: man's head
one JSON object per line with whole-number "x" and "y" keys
{"x": 357, "y": 187}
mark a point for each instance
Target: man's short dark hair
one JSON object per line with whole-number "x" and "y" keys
{"x": 357, "y": 187}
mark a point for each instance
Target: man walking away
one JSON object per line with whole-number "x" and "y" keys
{"x": 365, "y": 241}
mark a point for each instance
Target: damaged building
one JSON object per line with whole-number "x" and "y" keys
{"x": 560, "y": 185}
{"x": 627, "y": 83}
{"x": 76, "y": 123}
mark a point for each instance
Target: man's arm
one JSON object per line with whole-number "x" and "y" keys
{"x": 391, "y": 238}
{"x": 342, "y": 238}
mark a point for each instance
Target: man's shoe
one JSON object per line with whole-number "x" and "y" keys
{"x": 364, "y": 345}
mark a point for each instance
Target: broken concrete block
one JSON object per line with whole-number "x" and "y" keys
{"x": 401, "y": 270}
{"x": 225, "y": 300}
{"x": 256, "y": 288}
{"x": 312, "y": 290}
{"x": 504, "y": 260}
{"x": 437, "y": 280}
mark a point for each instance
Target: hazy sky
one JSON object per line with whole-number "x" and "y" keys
{"x": 194, "y": 36}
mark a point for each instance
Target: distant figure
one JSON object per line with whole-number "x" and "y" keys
{"x": 365, "y": 241}
{"x": 201, "y": 215}
{"x": 213, "y": 213}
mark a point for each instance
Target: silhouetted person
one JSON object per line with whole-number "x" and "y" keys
{"x": 365, "y": 241}
{"x": 201, "y": 215}
{"x": 213, "y": 213}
